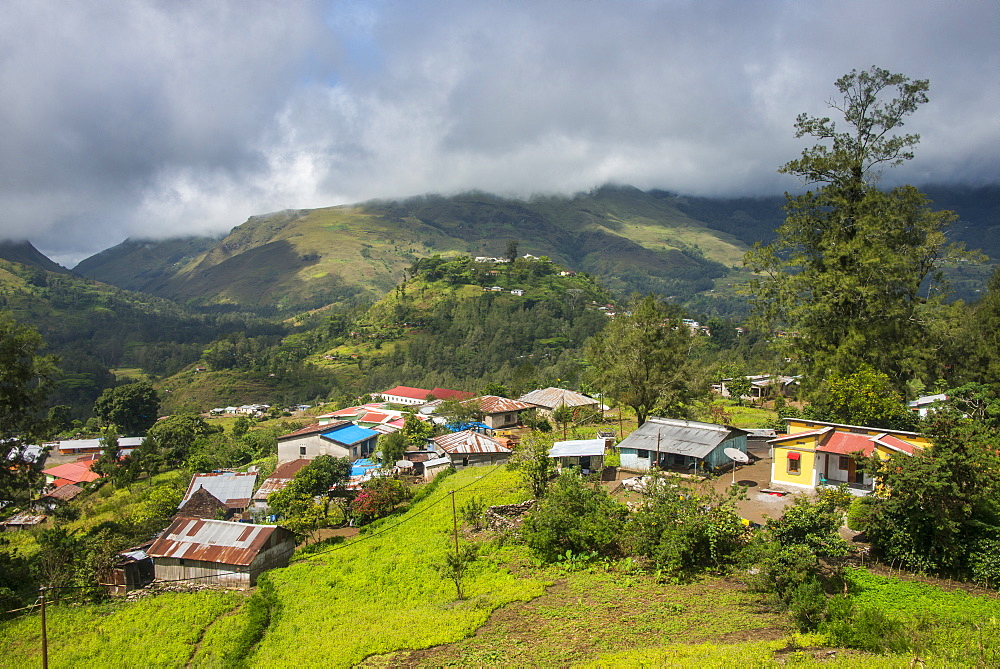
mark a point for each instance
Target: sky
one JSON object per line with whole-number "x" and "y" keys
{"x": 173, "y": 118}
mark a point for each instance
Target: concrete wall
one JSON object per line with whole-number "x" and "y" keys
{"x": 315, "y": 446}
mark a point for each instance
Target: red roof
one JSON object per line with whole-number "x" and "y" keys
{"x": 445, "y": 394}
{"x": 374, "y": 417}
{"x": 896, "y": 443}
{"x": 421, "y": 394}
{"x": 281, "y": 477}
{"x": 406, "y": 391}
{"x": 845, "y": 443}
{"x": 73, "y": 472}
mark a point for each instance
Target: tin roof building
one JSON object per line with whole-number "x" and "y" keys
{"x": 219, "y": 552}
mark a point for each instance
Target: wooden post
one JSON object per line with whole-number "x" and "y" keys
{"x": 458, "y": 556}
{"x": 45, "y": 642}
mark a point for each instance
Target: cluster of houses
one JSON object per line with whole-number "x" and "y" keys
{"x": 213, "y": 539}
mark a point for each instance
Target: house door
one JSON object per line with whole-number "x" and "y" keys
{"x": 855, "y": 475}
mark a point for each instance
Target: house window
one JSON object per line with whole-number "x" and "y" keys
{"x": 642, "y": 454}
{"x": 180, "y": 562}
{"x": 465, "y": 462}
{"x": 845, "y": 462}
{"x": 302, "y": 450}
{"x": 794, "y": 466}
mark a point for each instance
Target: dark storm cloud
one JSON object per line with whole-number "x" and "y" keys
{"x": 152, "y": 119}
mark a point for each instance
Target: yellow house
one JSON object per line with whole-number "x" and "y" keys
{"x": 818, "y": 453}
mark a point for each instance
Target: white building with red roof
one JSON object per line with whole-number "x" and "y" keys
{"x": 408, "y": 395}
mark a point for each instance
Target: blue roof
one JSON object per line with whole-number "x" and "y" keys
{"x": 362, "y": 465}
{"x": 471, "y": 425}
{"x": 349, "y": 435}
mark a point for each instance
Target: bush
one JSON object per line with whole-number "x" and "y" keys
{"x": 858, "y": 513}
{"x": 574, "y": 516}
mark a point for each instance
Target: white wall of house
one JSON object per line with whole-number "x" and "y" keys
{"x": 399, "y": 399}
{"x": 309, "y": 447}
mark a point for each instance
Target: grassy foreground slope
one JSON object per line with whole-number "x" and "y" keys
{"x": 381, "y": 593}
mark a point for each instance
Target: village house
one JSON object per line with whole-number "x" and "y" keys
{"x": 23, "y": 521}
{"x": 88, "y": 446}
{"x": 585, "y": 455}
{"x": 669, "y": 443}
{"x": 231, "y": 489}
{"x": 470, "y": 449}
{"x": 408, "y": 395}
{"x": 500, "y": 412}
{"x": 549, "y": 399}
{"x": 927, "y": 404}
{"x": 815, "y": 453}
{"x": 219, "y": 552}
{"x": 132, "y": 570}
{"x": 763, "y": 386}
{"x": 341, "y": 439}
{"x": 278, "y": 480}
{"x": 77, "y": 472}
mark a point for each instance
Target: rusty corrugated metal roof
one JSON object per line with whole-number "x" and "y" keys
{"x": 496, "y": 404}
{"x": 468, "y": 441}
{"x": 281, "y": 477}
{"x": 219, "y": 541}
{"x": 310, "y": 429}
{"x": 550, "y": 398}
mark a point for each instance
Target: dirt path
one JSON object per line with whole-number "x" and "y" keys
{"x": 204, "y": 631}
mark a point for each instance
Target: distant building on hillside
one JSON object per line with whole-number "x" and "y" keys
{"x": 408, "y": 395}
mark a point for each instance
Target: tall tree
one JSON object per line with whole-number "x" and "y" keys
{"x": 855, "y": 271}
{"x": 25, "y": 380}
{"x": 133, "y": 408}
{"x": 641, "y": 359}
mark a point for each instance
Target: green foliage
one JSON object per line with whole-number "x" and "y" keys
{"x": 417, "y": 431}
{"x": 858, "y": 513}
{"x": 864, "y": 397}
{"x": 25, "y": 380}
{"x": 847, "y": 272}
{"x": 532, "y": 462}
{"x": 813, "y": 524}
{"x": 574, "y": 516}
{"x": 685, "y": 530}
{"x": 171, "y": 440}
{"x": 456, "y": 563}
{"x": 739, "y": 387}
{"x": 392, "y": 447}
{"x": 133, "y": 408}
{"x": 941, "y": 501}
{"x": 296, "y": 503}
{"x": 472, "y": 512}
{"x": 641, "y": 359}
{"x": 379, "y": 497}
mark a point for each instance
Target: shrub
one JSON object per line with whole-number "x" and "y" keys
{"x": 858, "y": 513}
{"x": 574, "y": 516}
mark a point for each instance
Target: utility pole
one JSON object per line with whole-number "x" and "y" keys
{"x": 458, "y": 555}
{"x": 45, "y": 642}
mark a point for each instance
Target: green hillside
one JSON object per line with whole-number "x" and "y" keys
{"x": 303, "y": 259}
{"x": 95, "y": 328}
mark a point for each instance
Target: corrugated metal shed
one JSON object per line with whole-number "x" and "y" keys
{"x": 234, "y": 489}
{"x": 577, "y": 448}
{"x": 683, "y": 437}
{"x": 212, "y": 541}
{"x": 65, "y": 493}
{"x": 497, "y": 404}
{"x": 469, "y": 442}
{"x": 550, "y": 398}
